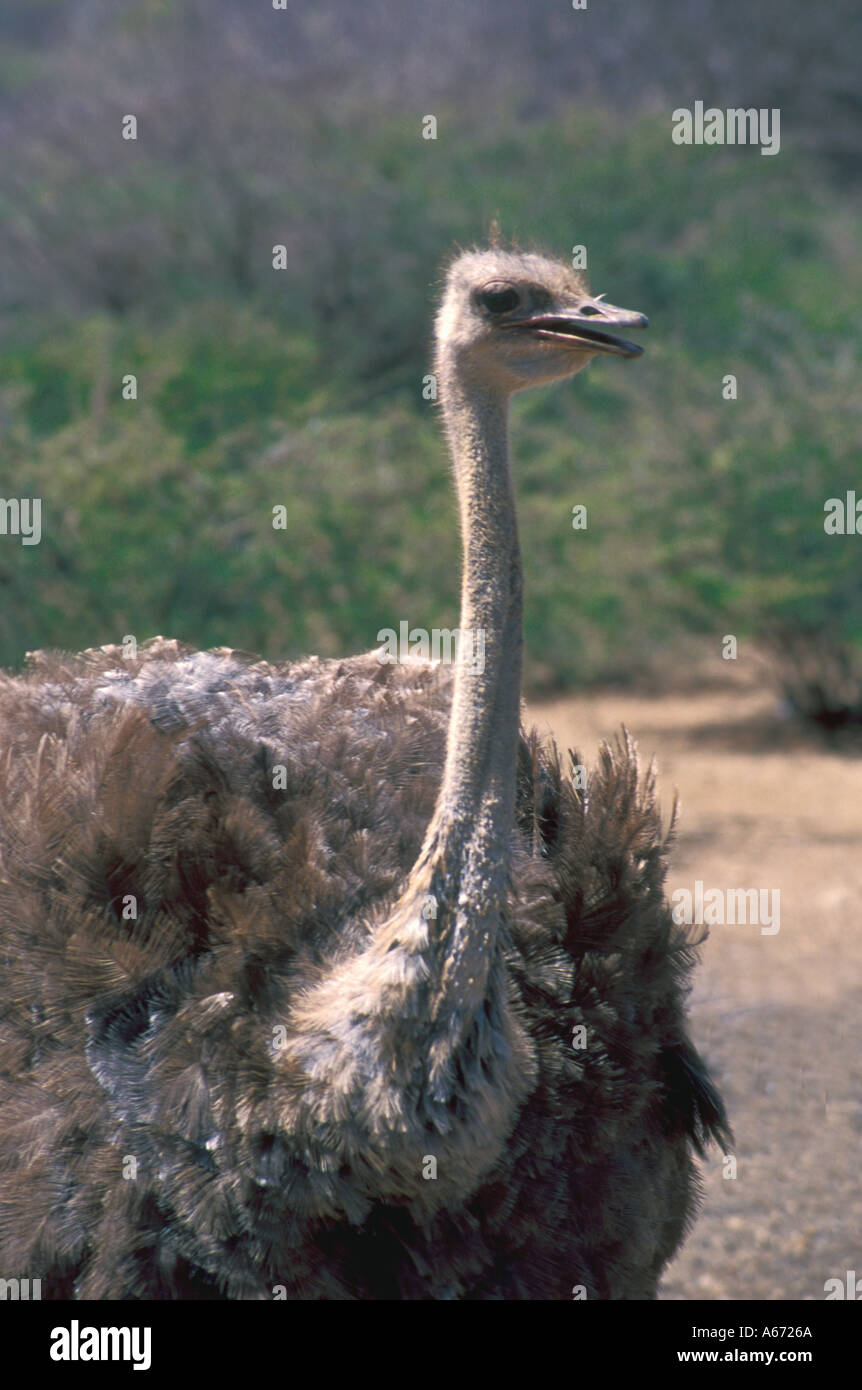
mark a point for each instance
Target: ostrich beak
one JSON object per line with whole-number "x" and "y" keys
{"x": 581, "y": 327}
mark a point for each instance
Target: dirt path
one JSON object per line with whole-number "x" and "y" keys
{"x": 779, "y": 1017}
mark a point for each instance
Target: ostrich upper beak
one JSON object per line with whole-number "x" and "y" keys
{"x": 585, "y": 325}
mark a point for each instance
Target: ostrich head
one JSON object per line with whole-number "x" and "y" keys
{"x": 514, "y": 320}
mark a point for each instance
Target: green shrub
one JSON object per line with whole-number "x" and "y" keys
{"x": 705, "y": 515}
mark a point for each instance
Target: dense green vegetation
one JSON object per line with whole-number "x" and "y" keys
{"x": 303, "y": 388}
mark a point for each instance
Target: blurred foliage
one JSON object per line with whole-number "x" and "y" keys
{"x": 820, "y": 678}
{"x": 303, "y": 388}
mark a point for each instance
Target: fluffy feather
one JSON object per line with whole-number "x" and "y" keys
{"x": 151, "y": 1146}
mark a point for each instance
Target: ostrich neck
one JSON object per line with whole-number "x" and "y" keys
{"x": 465, "y": 857}
{"x": 407, "y": 1032}
{"x": 483, "y": 728}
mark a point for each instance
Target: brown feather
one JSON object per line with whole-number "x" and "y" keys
{"x": 150, "y": 1038}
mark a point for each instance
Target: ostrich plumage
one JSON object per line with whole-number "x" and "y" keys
{"x": 241, "y": 1057}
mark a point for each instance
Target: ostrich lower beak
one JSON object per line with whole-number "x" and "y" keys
{"x": 580, "y": 328}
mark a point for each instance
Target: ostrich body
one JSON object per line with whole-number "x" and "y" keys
{"x": 288, "y": 1010}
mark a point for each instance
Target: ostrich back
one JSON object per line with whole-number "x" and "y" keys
{"x": 187, "y": 841}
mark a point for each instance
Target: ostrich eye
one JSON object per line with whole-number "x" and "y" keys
{"x": 500, "y": 301}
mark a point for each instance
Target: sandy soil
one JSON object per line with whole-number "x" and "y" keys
{"x": 779, "y": 1018}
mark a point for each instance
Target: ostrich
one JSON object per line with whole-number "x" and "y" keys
{"x": 322, "y": 980}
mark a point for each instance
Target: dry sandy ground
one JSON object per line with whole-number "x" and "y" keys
{"x": 779, "y": 1018}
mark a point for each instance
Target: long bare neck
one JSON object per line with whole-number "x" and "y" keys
{"x": 477, "y": 796}
{"x": 418, "y": 1027}
{"x": 464, "y": 862}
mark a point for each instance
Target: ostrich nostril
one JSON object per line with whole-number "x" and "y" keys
{"x": 588, "y": 310}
